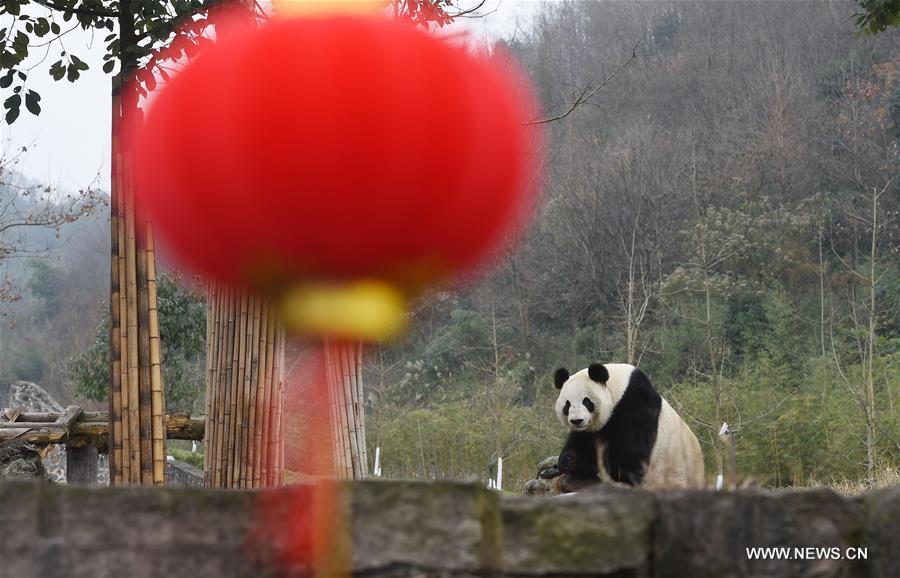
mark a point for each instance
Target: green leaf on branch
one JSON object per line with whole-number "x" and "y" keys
{"x": 32, "y": 102}
{"x": 57, "y": 70}
{"x": 79, "y": 63}
{"x": 41, "y": 27}
{"x": 12, "y": 105}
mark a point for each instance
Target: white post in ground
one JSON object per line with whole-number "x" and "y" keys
{"x": 499, "y": 484}
{"x": 377, "y": 470}
{"x": 726, "y": 434}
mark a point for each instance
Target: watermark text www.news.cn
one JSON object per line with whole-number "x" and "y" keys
{"x": 806, "y": 553}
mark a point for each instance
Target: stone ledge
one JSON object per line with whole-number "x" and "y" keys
{"x": 404, "y": 529}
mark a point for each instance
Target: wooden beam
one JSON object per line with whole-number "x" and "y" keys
{"x": 51, "y": 417}
{"x": 68, "y": 417}
{"x": 46, "y": 431}
{"x": 82, "y": 464}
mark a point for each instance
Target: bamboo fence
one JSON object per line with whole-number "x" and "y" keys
{"x": 244, "y": 445}
{"x": 136, "y": 405}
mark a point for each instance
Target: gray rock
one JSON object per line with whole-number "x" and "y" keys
{"x": 594, "y": 532}
{"x": 881, "y": 534}
{"x": 183, "y": 475}
{"x": 20, "y": 460}
{"x": 706, "y": 534}
{"x": 453, "y": 527}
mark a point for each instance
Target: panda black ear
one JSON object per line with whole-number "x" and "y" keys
{"x": 597, "y": 372}
{"x": 560, "y": 377}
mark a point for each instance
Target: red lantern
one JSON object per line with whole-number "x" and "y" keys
{"x": 336, "y": 150}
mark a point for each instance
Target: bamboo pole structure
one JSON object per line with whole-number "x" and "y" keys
{"x": 244, "y": 391}
{"x": 136, "y": 401}
{"x": 343, "y": 362}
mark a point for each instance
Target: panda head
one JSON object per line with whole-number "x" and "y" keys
{"x": 584, "y": 402}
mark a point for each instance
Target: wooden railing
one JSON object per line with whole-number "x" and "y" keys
{"x": 84, "y": 433}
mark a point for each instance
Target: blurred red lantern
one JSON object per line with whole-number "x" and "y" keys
{"x": 337, "y": 150}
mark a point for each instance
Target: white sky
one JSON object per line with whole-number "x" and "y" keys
{"x": 68, "y": 144}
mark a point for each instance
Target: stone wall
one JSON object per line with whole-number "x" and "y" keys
{"x": 404, "y": 529}
{"x": 181, "y": 474}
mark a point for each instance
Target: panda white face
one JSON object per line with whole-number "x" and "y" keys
{"x": 578, "y": 401}
{"x": 587, "y": 398}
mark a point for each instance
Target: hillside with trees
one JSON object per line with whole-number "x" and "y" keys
{"x": 52, "y": 258}
{"x": 723, "y": 214}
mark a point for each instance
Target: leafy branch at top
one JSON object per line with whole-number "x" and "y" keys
{"x": 156, "y": 24}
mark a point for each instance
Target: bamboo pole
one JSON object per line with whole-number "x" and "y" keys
{"x": 252, "y": 366}
{"x": 143, "y": 384}
{"x": 276, "y": 442}
{"x": 115, "y": 352}
{"x": 134, "y": 423}
{"x": 237, "y": 405}
{"x": 344, "y": 355}
{"x": 215, "y": 458}
{"x": 230, "y": 367}
{"x": 123, "y": 328}
{"x": 157, "y": 404}
{"x": 259, "y": 397}
{"x": 361, "y": 410}
{"x": 256, "y": 341}
{"x": 332, "y": 400}
{"x": 279, "y": 408}
{"x": 212, "y": 333}
{"x": 342, "y": 412}
{"x": 268, "y": 414}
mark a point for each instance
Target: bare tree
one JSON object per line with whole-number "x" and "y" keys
{"x": 864, "y": 318}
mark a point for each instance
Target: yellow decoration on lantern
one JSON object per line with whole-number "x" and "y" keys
{"x": 366, "y": 310}
{"x": 328, "y": 7}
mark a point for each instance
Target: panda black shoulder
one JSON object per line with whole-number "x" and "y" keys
{"x": 640, "y": 391}
{"x": 630, "y": 433}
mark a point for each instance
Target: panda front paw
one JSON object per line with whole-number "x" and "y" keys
{"x": 566, "y": 462}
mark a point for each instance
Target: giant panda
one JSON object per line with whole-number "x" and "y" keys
{"x": 622, "y": 430}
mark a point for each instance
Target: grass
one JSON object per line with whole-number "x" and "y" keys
{"x": 885, "y": 476}
{"x": 195, "y": 459}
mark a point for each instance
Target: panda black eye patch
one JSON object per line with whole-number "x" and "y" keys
{"x": 588, "y": 404}
{"x": 566, "y": 408}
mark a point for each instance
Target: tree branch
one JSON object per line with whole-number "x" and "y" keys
{"x": 92, "y": 12}
{"x": 587, "y": 93}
